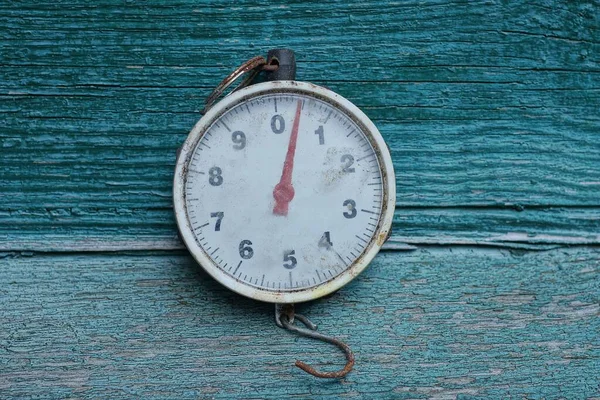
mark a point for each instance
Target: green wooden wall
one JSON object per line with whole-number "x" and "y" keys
{"x": 488, "y": 288}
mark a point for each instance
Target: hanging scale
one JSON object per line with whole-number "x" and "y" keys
{"x": 284, "y": 191}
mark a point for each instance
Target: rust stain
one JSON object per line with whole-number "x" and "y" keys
{"x": 381, "y": 238}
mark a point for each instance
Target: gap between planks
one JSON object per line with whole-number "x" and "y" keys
{"x": 105, "y": 243}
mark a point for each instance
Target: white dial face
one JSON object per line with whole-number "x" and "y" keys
{"x": 283, "y": 192}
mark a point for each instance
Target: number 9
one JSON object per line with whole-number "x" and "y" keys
{"x": 239, "y": 140}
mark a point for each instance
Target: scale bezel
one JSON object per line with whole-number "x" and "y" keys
{"x": 382, "y": 231}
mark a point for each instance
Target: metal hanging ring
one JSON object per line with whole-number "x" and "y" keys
{"x": 311, "y": 333}
{"x": 253, "y": 66}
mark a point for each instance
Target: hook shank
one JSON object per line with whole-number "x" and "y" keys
{"x": 319, "y": 336}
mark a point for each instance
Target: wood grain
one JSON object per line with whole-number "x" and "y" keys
{"x": 438, "y": 323}
{"x": 501, "y": 112}
{"x": 489, "y": 287}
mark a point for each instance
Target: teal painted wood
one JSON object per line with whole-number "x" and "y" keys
{"x": 491, "y": 113}
{"x": 485, "y": 106}
{"x": 434, "y": 323}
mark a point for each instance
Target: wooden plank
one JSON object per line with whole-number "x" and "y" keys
{"x": 499, "y": 114}
{"x": 443, "y": 157}
{"x": 436, "y": 322}
{"x": 491, "y": 113}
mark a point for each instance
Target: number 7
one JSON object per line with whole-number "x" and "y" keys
{"x": 219, "y": 216}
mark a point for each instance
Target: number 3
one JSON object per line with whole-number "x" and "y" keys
{"x": 351, "y": 205}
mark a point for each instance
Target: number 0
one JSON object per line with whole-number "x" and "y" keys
{"x": 277, "y": 124}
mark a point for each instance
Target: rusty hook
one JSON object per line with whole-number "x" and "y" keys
{"x": 252, "y": 67}
{"x": 311, "y": 333}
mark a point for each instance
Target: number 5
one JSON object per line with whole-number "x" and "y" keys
{"x": 289, "y": 256}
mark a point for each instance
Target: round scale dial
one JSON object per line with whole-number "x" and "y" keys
{"x": 280, "y": 193}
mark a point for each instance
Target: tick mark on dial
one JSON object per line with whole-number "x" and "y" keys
{"x": 214, "y": 251}
{"x": 202, "y": 142}
{"x": 238, "y": 267}
{"x": 225, "y": 125}
{"x": 319, "y": 275}
{"x": 359, "y": 238}
{"x": 327, "y": 118}
{"x": 367, "y": 156}
{"x": 367, "y": 211}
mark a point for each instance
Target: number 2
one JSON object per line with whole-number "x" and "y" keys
{"x": 348, "y": 160}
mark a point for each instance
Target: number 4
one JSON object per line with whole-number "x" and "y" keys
{"x": 325, "y": 240}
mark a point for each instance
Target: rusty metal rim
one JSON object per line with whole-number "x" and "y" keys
{"x": 389, "y": 191}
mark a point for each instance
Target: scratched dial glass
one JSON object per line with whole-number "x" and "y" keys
{"x": 283, "y": 192}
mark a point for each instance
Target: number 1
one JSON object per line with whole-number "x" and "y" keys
{"x": 321, "y": 134}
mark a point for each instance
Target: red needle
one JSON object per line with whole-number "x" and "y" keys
{"x": 284, "y": 191}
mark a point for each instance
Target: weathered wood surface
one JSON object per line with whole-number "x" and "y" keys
{"x": 485, "y": 107}
{"x": 436, "y": 323}
{"x": 491, "y": 111}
